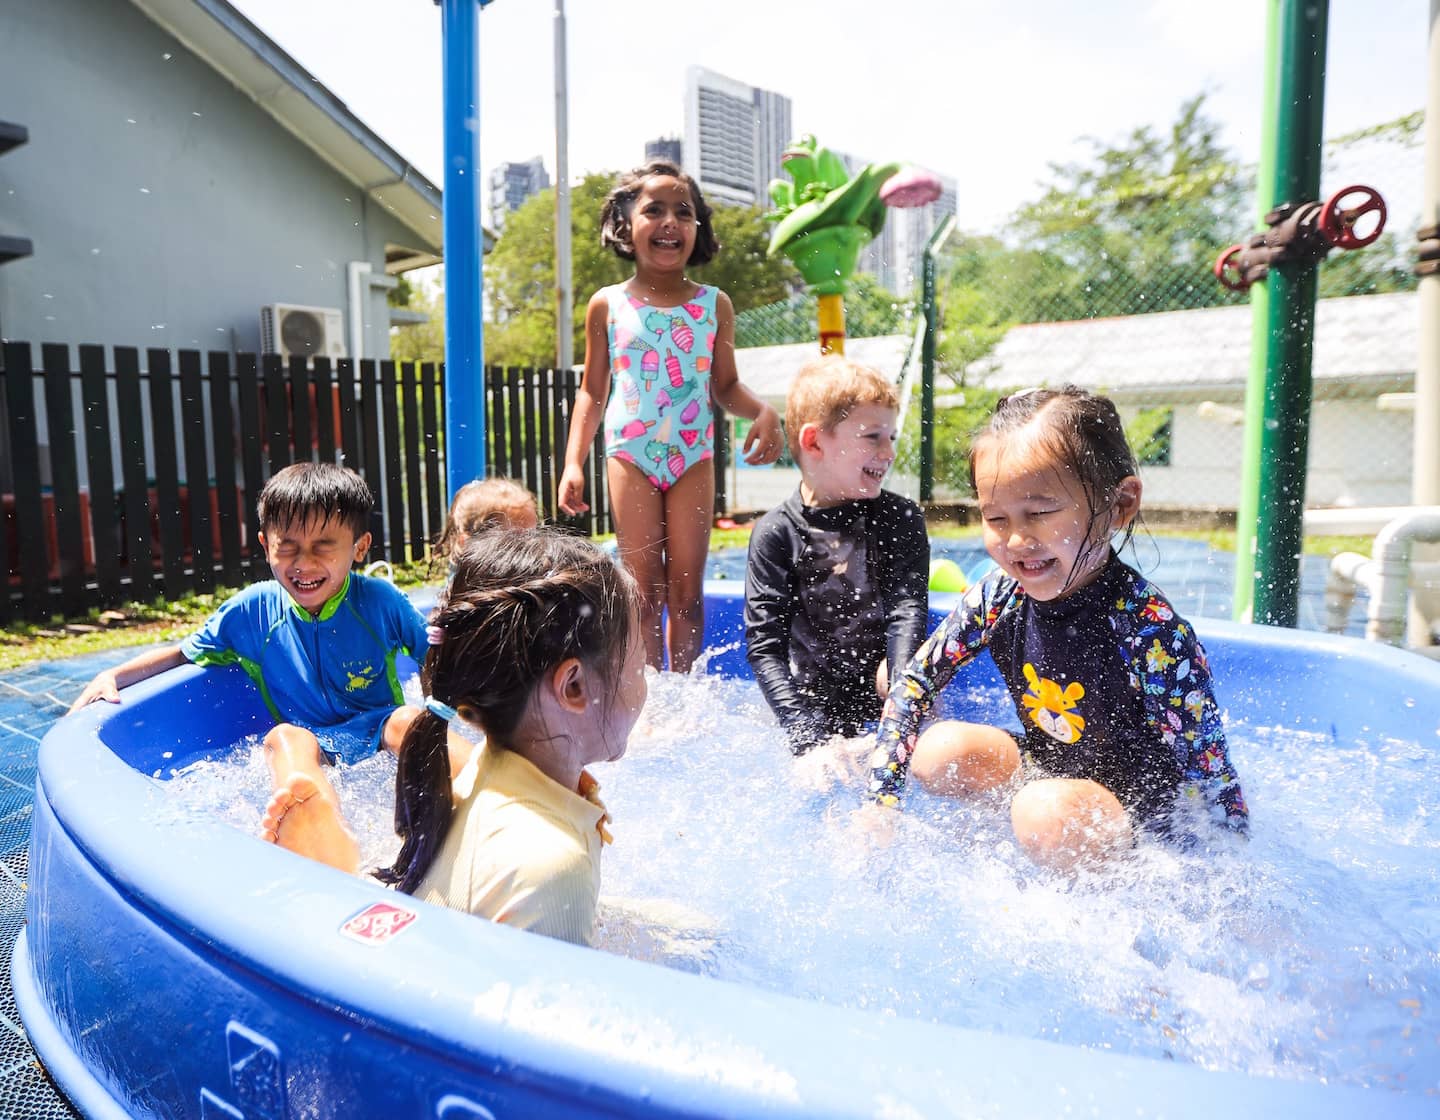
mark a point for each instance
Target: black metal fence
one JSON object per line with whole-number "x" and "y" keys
{"x": 99, "y": 465}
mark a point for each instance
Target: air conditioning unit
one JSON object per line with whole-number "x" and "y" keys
{"x": 310, "y": 332}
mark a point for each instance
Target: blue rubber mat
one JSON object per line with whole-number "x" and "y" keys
{"x": 31, "y": 699}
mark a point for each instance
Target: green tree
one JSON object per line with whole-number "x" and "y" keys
{"x": 742, "y": 270}
{"x": 421, "y": 342}
{"x": 1138, "y": 225}
{"x": 520, "y": 271}
{"x": 1381, "y": 266}
{"x": 1132, "y": 229}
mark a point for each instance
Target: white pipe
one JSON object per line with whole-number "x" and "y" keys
{"x": 1425, "y": 484}
{"x": 355, "y": 274}
{"x": 360, "y": 279}
{"x": 1391, "y": 552}
{"x": 1363, "y": 521}
{"x": 1347, "y": 569}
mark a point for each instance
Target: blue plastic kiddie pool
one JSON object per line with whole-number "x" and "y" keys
{"x": 176, "y": 967}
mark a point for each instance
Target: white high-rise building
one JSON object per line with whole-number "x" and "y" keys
{"x": 734, "y": 136}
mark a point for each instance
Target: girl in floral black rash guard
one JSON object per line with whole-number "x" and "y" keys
{"x": 1110, "y": 684}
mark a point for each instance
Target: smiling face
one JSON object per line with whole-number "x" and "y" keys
{"x": 663, "y": 224}
{"x": 310, "y": 560}
{"x": 1037, "y": 520}
{"x": 850, "y": 460}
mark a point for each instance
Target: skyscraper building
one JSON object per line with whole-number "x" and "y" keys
{"x": 665, "y": 147}
{"x": 904, "y": 237}
{"x": 511, "y": 184}
{"x": 734, "y": 136}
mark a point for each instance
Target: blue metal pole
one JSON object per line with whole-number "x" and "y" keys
{"x": 464, "y": 245}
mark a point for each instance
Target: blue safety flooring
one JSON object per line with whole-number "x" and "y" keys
{"x": 31, "y": 699}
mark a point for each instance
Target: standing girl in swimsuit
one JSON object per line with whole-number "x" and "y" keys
{"x": 1111, "y": 686}
{"x": 658, "y": 349}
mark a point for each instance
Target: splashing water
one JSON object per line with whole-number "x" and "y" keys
{"x": 1309, "y": 952}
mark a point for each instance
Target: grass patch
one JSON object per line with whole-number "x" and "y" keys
{"x": 138, "y": 624}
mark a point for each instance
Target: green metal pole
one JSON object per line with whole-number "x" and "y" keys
{"x": 1266, "y": 199}
{"x": 1285, "y": 434}
{"x": 927, "y": 358}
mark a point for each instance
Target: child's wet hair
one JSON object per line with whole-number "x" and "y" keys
{"x": 615, "y": 214}
{"x": 1072, "y": 429}
{"x": 481, "y": 504}
{"x": 308, "y": 493}
{"x": 519, "y": 603}
{"x": 828, "y": 389}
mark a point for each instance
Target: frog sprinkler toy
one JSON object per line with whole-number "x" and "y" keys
{"x": 826, "y": 216}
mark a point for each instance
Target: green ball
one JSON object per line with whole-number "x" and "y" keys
{"x": 945, "y": 575}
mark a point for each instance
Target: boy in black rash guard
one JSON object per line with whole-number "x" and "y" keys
{"x": 836, "y": 595}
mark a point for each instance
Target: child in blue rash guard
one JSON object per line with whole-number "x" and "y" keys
{"x": 1110, "y": 684}
{"x": 319, "y": 641}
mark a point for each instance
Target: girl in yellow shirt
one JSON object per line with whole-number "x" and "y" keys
{"x": 537, "y": 643}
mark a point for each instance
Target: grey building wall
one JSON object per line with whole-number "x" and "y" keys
{"x": 165, "y": 206}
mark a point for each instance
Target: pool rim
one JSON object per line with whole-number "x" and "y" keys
{"x": 77, "y": 767}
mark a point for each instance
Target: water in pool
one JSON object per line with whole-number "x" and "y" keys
{"x": 1309, "y": 952}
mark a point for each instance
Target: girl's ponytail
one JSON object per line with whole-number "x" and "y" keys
{"x": 423, "y": 802}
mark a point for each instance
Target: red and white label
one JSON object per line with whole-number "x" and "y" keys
{"x": 378, "y": 923}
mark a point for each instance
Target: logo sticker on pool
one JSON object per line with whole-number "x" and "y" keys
{"x": 378, "y": 923}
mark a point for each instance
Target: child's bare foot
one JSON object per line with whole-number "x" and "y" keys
{"x": 301, "y": 819}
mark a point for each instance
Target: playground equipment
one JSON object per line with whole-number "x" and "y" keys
{"x": 826, "y": 216}
{"x": 174, "y": 966}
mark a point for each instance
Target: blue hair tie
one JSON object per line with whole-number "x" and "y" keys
{"x": 437, "y": 708}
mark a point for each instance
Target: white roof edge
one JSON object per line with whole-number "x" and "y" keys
{"x": 235, "y": 48}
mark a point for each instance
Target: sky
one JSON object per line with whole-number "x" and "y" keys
{"x": 990, "y": 92}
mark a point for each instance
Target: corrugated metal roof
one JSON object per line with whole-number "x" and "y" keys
{"x": 1368, "y": 341}
{"x": 768, "y": 370}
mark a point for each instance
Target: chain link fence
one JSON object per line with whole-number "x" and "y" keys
{"x": 1106, "y": 282}
{"x": 869, "y": 313}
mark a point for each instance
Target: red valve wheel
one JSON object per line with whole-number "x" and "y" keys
{"x": 1227, "y": 270}
{"x": 1337, "y": 222}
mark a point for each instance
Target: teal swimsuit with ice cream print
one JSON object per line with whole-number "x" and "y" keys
{"x": 659, "y": 414}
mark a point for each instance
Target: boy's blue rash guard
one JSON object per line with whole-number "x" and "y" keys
{"x": 1109, "y": 683}
{"x": 328, "y": 672}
